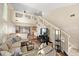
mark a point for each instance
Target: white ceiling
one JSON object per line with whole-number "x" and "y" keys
{"x": 46, "y": 7}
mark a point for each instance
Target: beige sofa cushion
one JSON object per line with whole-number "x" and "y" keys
{"x": 17, "y": 44}
{"x": 14, "y": 46}
{"x": 9, "y": 43}
{"x": 4, "y": 47}
{"x": 15, "y": 50}
{"x": 5, "y": 53}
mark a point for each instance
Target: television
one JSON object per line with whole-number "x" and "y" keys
{"x": 43, "y": 31}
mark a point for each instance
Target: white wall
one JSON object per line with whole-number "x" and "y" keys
{"x": 52, "y": 35}
{"x": 61, "y": 18}
{"x": 64, "y": 42}
{"x": 1, "y": 10}
{"x": 10, "y": 28}
{"x": 2, "y": 32}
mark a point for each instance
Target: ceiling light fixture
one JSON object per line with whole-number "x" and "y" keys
{"x": 72, "y": 15}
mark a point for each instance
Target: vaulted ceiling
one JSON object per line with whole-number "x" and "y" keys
{"x": 46, "y": 7}
{"x": 63, "y": 15}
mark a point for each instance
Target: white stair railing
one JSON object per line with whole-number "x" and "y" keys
{"x": 45, "y": 22}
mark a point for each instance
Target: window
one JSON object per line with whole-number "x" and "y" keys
{"x": 19, "y": 15}
{"x": 28, "y": 16}
{"x": 23, "y": 29}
